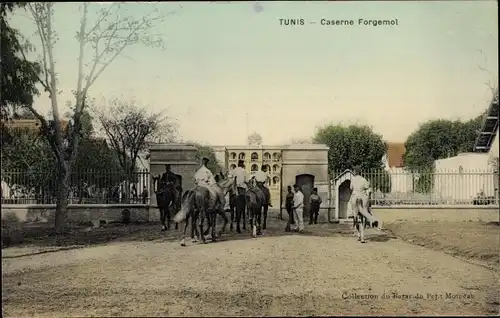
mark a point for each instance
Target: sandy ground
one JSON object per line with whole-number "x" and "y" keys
{"x": 270, "y": 275}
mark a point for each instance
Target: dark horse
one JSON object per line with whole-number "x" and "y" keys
{"x": 255, "y": 199}
{"x": 167, "y": 196}
{"x": 251, "y": 200}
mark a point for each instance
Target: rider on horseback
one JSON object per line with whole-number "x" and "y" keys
{"x": 261, "y": 178}
{"x": 359, "y": 200}
{"x": 169, "y": 180}
{"x": 204, "y": 178}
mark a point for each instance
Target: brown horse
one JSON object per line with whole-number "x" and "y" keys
{"x": 255, "y": 199}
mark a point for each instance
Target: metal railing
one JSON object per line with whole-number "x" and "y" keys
{"x": 442, "y": 187}
{"x": 86, "y": 187}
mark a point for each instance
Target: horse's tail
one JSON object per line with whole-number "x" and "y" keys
{"x": 186, "y": 206}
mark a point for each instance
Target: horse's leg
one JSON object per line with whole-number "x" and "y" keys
{"x": 264, "y": 224}
{"x": 209, "y": 221}
{"x": 238, "y": 215}
{"x": 253, "y": 217}
{"x": 201, "y": 220}
{"x": 361, "y": 225}
{"x": 194, "y": 228}
{"x": 183, "y": 240}
{"x": 162, "y": 217}
{"x": 244, "y": 211}
{"x": 213, "y": 216}
{"x": 222, "y": 213}
{"x": 231, "y": 226}
{"x": 177, "y": 209}
{"x": 259, "y": 221}
{"x": 167, "y": 216}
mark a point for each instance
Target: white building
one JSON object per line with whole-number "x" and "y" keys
{"x": 463, "y": 177}
{"x": 401, "y": 180}
{"x": 471, "y": 173}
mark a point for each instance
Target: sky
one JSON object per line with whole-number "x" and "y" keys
{"x": 230, "y": 69}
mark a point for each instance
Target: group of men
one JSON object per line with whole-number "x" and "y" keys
{"x": 205, "y": 178}
{"x": 360, "y": 190}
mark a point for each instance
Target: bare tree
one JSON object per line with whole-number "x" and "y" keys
{"x": 130, "y": 129}
{"x": 492, "y": 80}
{"x": 109, "y": 36}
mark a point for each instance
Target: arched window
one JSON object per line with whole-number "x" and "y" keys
{"x": 254, "y": 156}
{"x": 241, "y": 156}
{"x": 268, "y": 180}
{"x": 276, "y": 156}
{"x": 276, "y": 180}
{"x": 232, "y": 156}
{"x": 254, "y": 168}
{"x": 232, "y": 167}
{"x": 268, "y": 168}
{"x": 276, "y": 168}
{"x": 267, "y": 156}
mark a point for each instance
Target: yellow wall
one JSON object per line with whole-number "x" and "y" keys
{"x": 275, "y": 162}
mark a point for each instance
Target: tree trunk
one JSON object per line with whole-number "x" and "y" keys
{"x": 62, "y": 202}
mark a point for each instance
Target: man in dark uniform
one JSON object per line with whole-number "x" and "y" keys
{"x": 169, "y": 180}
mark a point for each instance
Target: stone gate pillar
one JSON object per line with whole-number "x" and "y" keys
{"x": 182, "y": 159}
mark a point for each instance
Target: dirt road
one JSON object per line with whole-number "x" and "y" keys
{"x": 286, "y": 275}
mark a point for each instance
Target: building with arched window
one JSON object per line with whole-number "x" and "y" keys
{"x": 285, "y": 165}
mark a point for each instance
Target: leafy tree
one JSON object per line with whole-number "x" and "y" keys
{"x": 28, "y": 163}
{"x": 353, "y": 145}
{"x": 130, "y": 129}
{"x": 112, "y": 33}
{"x": 438, "y": 139}
{"x": 19, "y": 76}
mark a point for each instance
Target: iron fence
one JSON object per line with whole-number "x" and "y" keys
{"x": 443, "y": 187}
{"x": 86, "y": 187}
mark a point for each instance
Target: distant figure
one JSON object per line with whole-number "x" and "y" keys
{"x": 315, "y": 203}
{"x": 261, "y": 178}
{"x": 289, "y": 207}
{"x": 298, "y": 209}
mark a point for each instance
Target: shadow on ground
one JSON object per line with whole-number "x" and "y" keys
{"x": 41, "y": 235}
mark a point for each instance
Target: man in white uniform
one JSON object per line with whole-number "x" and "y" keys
{"x": 298, "y": 209}
{"x": 241, "y": 177}
{"x": 360, "y": 188}
{"x": 204, "y": 178}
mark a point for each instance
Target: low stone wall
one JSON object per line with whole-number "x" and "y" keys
{"x": 437, "y": 213}
{"x": 420, "y": 213}
{"x": 77, "y": 213}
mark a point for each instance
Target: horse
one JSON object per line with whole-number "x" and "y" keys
{"x": 240, "y": 207}
{"x": 201, "y": 205}
{"x": 166, "y": 195}
{"x": 193, "y": 205}
{"x": 232, "y": 207}
{"x": 224, "y": 186}
{"x": 255, "y": 198}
